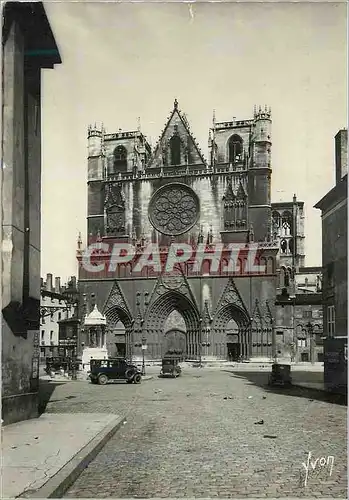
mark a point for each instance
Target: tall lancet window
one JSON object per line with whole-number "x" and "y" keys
{"x": 214, "y": 153}
{"x": 229, "y": 208}
{"x": 175, "y": 145}
{"x": 235, "y": 146}
{"x": 120, "y": 159}
{"x": 241, "y": 208}
{"x": 276, "y": 220}
{"x": 287, "y": 223}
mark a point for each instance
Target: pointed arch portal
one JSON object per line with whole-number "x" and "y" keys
{"x": 231, "y": 345}
{"x": 169, "y": 318}
{"x": 158, "y": 313}
{"x": 119, "y": 342}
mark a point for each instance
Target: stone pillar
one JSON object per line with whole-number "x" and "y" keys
{"x": 100, "y": 337}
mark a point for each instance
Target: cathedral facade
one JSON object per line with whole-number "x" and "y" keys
{"x": 140, "y": 196}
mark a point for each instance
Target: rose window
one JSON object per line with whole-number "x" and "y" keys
{"x": 174, "y": 209}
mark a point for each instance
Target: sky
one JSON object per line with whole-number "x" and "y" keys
{"x": 121, "y": 61}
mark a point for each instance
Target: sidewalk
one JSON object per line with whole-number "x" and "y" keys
{"x": 42, "y": 457}
{"x": 254, "y": 366}
{"x": 81, "y": 377}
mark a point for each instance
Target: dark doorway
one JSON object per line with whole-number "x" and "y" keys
{"x": 175, "y": 340}
{"x": 120, "y": 350}
{"x": 233, "y": 350}
{"x": 304, "y": 356}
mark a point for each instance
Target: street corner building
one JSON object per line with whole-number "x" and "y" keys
{"x": 28, "y": 46}
{"x": 334, "y": 217}
{"x": 139, "y": 195}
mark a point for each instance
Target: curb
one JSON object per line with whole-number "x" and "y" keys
{"x": 331, "y": 394}
{"x": 58, "y": 484}
{"x": 318, "y": 389}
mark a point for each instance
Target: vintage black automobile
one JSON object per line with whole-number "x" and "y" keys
{"x": 280, "y": 375}
{"x": 56, "y": 364}
{"x": 170, "y": 364}
{"x": 103, "y": 370}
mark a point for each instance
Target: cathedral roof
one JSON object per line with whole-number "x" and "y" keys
{"x": 177, "y": 123}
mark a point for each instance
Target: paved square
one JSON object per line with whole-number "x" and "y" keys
{"x": 198, "y": 436}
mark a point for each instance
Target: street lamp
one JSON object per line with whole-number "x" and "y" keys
{"x": 273, "y": 334}
{"x": 129, "y": 341}
{"x": 310, "y": 328}
{"x": 144, "y": 347}
{"x": 74, "y": 360}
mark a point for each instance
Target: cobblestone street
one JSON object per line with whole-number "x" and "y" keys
{"x": 198, "y": 436}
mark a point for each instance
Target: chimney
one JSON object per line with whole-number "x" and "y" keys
{"x": 49, "y": 282}
{"x": 58, "y": 285}
{"x": 42, "y": 286}
{"x": 341, "y": 153}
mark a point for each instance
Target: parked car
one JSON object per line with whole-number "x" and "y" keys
{"x": 170, "y": 365}
{"x": 56, "y": 364}
{"x": 103, "y": 370}
{"x": 280, "y": 375}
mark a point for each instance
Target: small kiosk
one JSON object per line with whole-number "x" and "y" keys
{"x": 95, "y": 326}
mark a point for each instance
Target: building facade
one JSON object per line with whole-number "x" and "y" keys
{"x": 298, "y": 319}
{"x": 170, "y": 194}
{"x": 334, "y": 216}
{"x": 28, "y": 46}
{"x": 57, "y": 309}
{"x": 288, "y": 227}
{"x": 334, "y": 210}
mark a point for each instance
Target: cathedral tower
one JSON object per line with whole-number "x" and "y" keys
{"x": 242, "y": 149}
{"x": 259, "y": 175}
{"x": 95, "y": 162}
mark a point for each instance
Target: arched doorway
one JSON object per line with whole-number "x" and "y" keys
{"x": 233, "y": 341}
{"x": 175, "y": 333}
{"x": 155, "y": 324}
{"x": 175, "y": 340}
{"x": 119, "y": 330}
{"x": 231, "y": 325}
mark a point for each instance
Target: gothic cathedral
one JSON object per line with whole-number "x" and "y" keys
{"x": 137, "y": 195}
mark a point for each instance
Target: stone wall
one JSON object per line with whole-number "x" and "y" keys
{"x": 20, "y": 233}
{"x": 21, "y": 204}
{"x": 290, "y": 323}
{"x": 334, "y": 251}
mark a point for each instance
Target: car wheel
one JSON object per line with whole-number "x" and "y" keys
{"x": 137, "y": 378}
{"x": 129, "y": 374}
{"x": 102, "y": 379}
